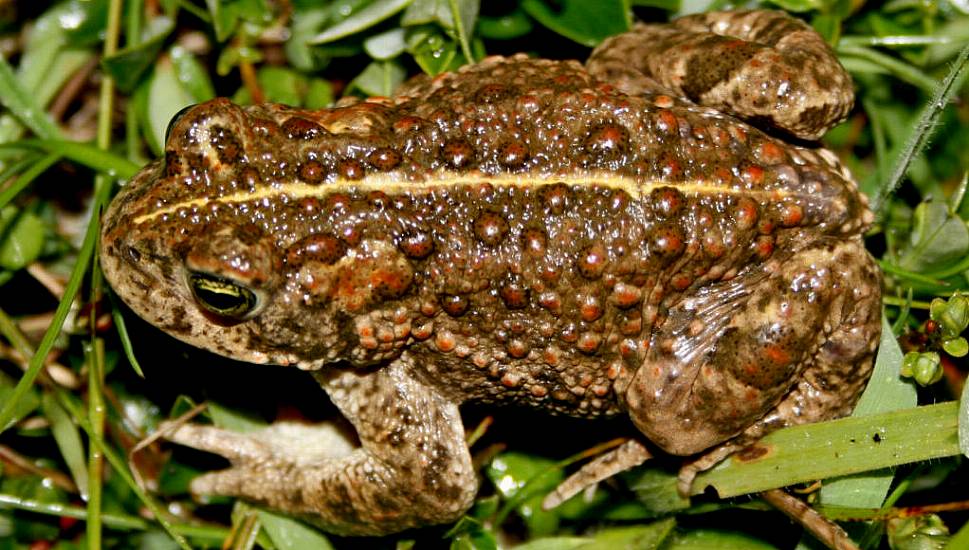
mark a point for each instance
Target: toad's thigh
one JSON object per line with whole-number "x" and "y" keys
{"x": 725, "y": 359}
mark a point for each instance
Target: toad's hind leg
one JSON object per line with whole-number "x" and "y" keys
{"x": 786, "y": 343}
{"x": 412, "y": 467}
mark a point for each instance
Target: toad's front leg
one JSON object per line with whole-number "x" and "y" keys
{"x": 412, "y": 468}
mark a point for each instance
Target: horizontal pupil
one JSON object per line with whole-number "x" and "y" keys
{"x": 220, "y": 295}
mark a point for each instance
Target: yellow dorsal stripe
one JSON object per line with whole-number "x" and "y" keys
{"x": 295, "y": 191}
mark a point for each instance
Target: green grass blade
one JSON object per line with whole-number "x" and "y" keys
{"x": 28, "y": 176}
{"x": 119, "y": 466}
{"x": 68, "y": 441}
{"x": 85, "y": 154}
{"x": 840, "y": 447}
{"x": 210, "y": 534}
{"x": 84, "y": 257}
{"x": 21, "y": 104}
{"x": 886, "y": 391}
{"x": 919, "y": 137}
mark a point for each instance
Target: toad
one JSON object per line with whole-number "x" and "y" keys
{"x": 652, "y": 234}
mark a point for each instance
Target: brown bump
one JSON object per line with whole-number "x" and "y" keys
{"x": 513, "y": 154}
{"x": 626, "y": 295}
{"x": 534, "y": 241}
{"x": 309, "y": 205}
{"x": 593, "y": 261}
{"x": 445, "y": 341}
{"x": 302, "y": 128}
{"x": 764, "y": 246}
{"x": 607, "y": 141}
{"x": 517, "y": 348}
{"x": 490, "y": 228}
{"x": 511, "y": 380}
{"x": 551, "y": 301}
{"x": 350, "y": 169}
{"x": 492, "y": 93}
{"x": 384, "y": 158}
{"x": 458, "y": 153}
{"x": 454, "y": 304}
{"x": 588, "y": 343}
{"x": 392, "y": 283}
{"x": 226, "y": 144}
{"x": 514, "y": 294}
{"x": 416, "y": 244}
{"x": 791, "y": 215}
{"x": 590, "y": 308}
{"x": 556, "y": 197}
{"x": 667, "y": 240}
{"x": 666, "y": 201}
{"x": 326, "y": 249}
{"x": 377, "y": 199}
{"x": 249, "y": 178}
{"x": 745, "y": 213}
{"x": 630, "y": 322}
{"x": 312, "y": 171}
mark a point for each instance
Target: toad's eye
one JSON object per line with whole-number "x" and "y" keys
{"x": 222, "y": 296}
{"x": 178, "y": 116}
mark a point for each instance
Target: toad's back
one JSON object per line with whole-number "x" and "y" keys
{"x": 522, "y": 225}
{"x": 515, "y": 231}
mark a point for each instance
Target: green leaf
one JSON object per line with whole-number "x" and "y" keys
{"x": 22, "y": 104}
{"x": 886, "y": 391}
{"x": 470, "y": 534}
{"x": 524, "y": 481}
{"x": 22, "y": 236}
{"x": 235, "y": 421}
{"x": 379, "y": 78}
{"x": 513, "y": 25}
{"x": 83, "y": 21}
{"x": 68, "y": 440}
{"x": 641, "y": 537}
{"x": 306, "y": 23}
{"x": 282, "y": 85}
{"x": 587, "y": 23}
{"x": 421, "y": 12}
{"x": 224, "y": 18}
{"x": 26, "y": 405}
{"x": 964, "y": 424}
{"x": 433, "y": 51}
{"x": 457, "y": 16}
{"x": 654, "y": 488}
{"x": 128, "y": 65}
{"x": 715, "y": 539}
{"x": 319, "y": 94}
{"x": 166, "y": 97}
{"x": 386, "y": 45}
{"x": 191, "y": 74}
{"x": 555, "y": 543}
{"x": 289, "y": 534}
{"x": 938, "y": 237}
{"x": 367, "y": 17}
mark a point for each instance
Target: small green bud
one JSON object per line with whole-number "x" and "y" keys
{"x": 917, "y": 533}
{"x": 956, "y": 347}
{"x": 925, "y": 368}
{"x": 955, "y": 318}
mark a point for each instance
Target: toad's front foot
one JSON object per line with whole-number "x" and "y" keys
{"x": 412, "y": 467}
